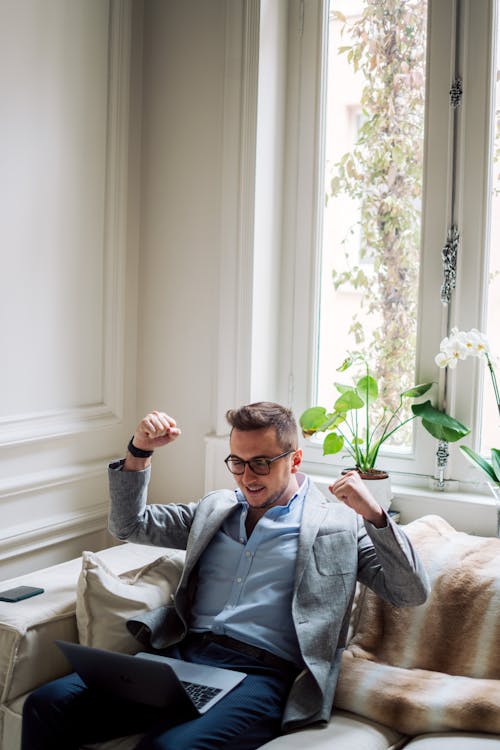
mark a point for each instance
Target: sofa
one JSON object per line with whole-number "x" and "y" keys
{"x": 424, "y": 678}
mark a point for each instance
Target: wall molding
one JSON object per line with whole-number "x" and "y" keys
{"x": 20, "y": 428}
{"x": 39, "y": 482}
{"x": 25, "y": 428}
{"x": 24, "y": 540}
{"x": 33, "y": 536}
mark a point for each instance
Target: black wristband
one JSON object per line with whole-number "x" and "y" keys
{"x": 137, "y": 452}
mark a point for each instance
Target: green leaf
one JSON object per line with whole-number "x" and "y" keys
{"x": 479, "y": 460}
{"x": 495, "y": 462}
{"x": 343, "y": 388}
{"x": 333, "y": 443}
{"x": 332, "y": 421}
{"x": 367, "y": 387}
{"x": 348, "y": 400}
{"x": 439, "y": 424}
{"x": 336, "y": 419}
{"x": 417, "y": 390}
{"x": 345, "y": 364}
{"x": 312, "y": 419}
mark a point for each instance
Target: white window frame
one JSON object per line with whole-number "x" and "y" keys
{"x": 449, "y": 20}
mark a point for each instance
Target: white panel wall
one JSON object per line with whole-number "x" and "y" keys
{"x": 253, "y": 257}
{"x": 110, "y": 244}
{"x": 66, "y": 240}
{"x": 213, "y": 140}
{"x": 184, "y": 56}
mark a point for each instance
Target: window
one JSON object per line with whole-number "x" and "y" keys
{"x": 370, "y": 250}
{"x": 489, "y": 433}
{"x": 455, "y": 175}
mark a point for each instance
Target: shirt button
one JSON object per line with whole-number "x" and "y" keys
{"x": 242, "y": 541}
{"x": 238, "y": 580}
{"x": 248, "y": 554}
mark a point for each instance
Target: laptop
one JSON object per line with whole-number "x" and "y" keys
{"x": 152, "y": 679}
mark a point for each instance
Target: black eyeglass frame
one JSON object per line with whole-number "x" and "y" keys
{"x": 266, "y": 461}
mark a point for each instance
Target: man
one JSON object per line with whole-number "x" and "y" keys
{"x": 267, "y": 589}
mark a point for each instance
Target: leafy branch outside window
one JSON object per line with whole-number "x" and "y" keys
{"x": 383, "y": 174}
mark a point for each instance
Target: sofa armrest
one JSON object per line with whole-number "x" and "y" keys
{"x": 28, "y": 656}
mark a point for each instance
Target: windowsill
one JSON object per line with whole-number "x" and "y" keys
{"x": 418, "y": 490}
{"x": 474, "y": 513}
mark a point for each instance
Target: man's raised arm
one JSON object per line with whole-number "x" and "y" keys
{"x": 155, "y": 430}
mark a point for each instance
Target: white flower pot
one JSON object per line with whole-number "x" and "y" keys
{"x": 379, "y": 484}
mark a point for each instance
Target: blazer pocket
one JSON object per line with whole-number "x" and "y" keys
{"x": 335, "y": 554}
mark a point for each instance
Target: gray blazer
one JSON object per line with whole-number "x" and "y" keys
{"x": 336, "y": 548}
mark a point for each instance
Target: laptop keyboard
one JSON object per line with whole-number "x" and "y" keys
{"x": 200, "y": 694}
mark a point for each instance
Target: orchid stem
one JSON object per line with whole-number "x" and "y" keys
{"x": 494, "y": 382}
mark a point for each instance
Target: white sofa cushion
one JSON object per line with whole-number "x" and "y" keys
{"x": 105, "y": 601}
{"x": 28, "y": 628}
{"x": 455, "y": 741}
{"x": 436, "y": 667}
{"x": 345, "y": 731}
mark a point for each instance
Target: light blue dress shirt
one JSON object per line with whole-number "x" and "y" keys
{"x": 245, "y": 585}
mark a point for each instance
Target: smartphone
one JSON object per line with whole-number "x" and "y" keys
{"x": 18, "y": 593}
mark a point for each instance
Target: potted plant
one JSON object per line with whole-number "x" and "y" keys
{"x": 358, "y": 426}
{"x": 458, "y": 346}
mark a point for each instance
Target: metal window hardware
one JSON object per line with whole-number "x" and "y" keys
{"x": 456, "y": 93}
{"x": 449, "y": 255}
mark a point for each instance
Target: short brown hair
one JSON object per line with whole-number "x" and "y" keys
{"x": 265, "y": 414}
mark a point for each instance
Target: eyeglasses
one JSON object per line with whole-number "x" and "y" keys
{"x": 259, "y": 464}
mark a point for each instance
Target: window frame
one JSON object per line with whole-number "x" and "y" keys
{"x": 456, "y": 145}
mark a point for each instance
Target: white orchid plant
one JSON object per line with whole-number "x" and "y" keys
{"x": 458, "y": 346}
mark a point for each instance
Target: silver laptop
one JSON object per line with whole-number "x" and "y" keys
{"x": 152, "y": 679}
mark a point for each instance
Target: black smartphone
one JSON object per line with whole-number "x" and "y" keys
{"x": 18, "y": 593}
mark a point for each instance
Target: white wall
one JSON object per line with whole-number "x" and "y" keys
{"x": 112, "y": 171}
{"x": 210, "y": 264}
{"x": 67, "y": 290}
{"x": 184, "y": 57}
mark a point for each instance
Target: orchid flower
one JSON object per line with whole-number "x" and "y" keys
{"x": 460, "y": 345}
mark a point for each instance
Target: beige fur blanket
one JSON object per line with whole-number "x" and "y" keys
{"x": 435, "y": 667}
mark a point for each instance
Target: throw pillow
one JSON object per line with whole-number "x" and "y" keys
{"x": 436, "y": 667}
{"x": 105, "y": 601}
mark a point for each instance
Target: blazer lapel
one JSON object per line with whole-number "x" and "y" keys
{"x": 204, "y": 528}
{"x": 315, "y": 510}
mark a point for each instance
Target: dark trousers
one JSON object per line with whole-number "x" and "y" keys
{"x": 65, "y": 714}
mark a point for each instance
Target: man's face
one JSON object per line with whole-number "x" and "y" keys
{"x": 275, "y": 488}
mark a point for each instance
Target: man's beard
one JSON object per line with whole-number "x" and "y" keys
{"x": 272, "y": 500}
